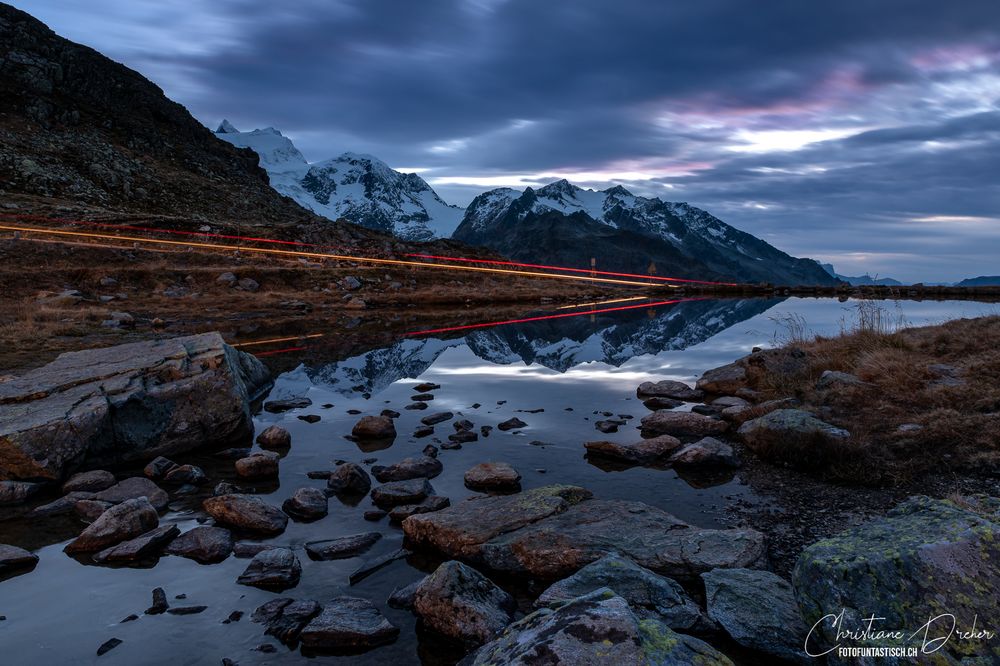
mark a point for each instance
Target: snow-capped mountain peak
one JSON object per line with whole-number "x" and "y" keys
{"x": 353, "y": 186}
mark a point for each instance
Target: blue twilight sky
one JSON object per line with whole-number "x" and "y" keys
{"x": 862, "y": 133}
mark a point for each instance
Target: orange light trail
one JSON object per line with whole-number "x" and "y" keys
{"x": 204, "y": 234}
{"x": 322, "y": 255}
{"x": 614, "y": 300}
{"x": 273, "y": 340}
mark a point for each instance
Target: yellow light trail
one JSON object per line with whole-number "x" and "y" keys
{"x": 321, "y": 255}
{"x": 273, "y": 340}
{"x": 614, "y": 300}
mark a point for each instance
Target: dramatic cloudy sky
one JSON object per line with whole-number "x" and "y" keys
{"x": 866, "y": 133}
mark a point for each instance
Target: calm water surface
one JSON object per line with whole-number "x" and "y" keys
{"x": 570, "y": 367}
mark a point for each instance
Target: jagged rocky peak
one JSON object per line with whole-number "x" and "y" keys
{"x": 226, "y": 127}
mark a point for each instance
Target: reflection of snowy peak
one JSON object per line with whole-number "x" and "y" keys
{"x": 708, "y": 243}
{"x": 358, "y": 188}
{"x": 555, "y": 345}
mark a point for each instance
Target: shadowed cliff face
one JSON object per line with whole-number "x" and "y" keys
{"x": 77, "y": 126}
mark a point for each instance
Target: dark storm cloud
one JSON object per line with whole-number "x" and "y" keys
{"x": 828, "y": 128}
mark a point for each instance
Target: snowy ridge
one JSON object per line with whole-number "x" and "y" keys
{"x": 359, "y": 188}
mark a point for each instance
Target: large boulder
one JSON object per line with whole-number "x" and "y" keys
{"x": 758, "y": 610}
{"x": 561, "y": 544}
{"x": 682, "y": 424}
{"x": 925, "y": 559}
{"x": 348, "y": 623}
{"x": 647, "y": 593}
{"x": 784, "y": 427}
{"x": 462, "y": 529}
{"x": 597, "y": 628}
{"x": 126, "y": 403}
{"x": 127, "y": 520}
{"x": 461, "y": 603}
{"x": 246, "y": 512}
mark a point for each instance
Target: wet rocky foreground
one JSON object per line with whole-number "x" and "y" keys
{"x": 428, "y": 527}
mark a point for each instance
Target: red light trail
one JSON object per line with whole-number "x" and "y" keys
{"x": 466, "y": 260}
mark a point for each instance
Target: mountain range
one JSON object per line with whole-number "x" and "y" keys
{"x": 861, "y": 280}
{"x": 559, "y": 223}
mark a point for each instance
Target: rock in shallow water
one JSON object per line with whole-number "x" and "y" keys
{"x": 492, "y": 476}
{"x": 707, "y": 452}
{"x": 306, "y": 504}
{"x": 91, "y": 481}
{"x": 459, "y": 602}
{"x": 758, "y": 610}
{"x": 285, "y": 618}
{"x": 133, "y": 488}
{"x": 246, "y": 512}
{"x": 682, "y": 424}
{"x": 126, "y": 403}
{"x": 401, "y": 492}
{"x": 17, "y": 492}
{"x": 258, "y": 465}
{"x": 342, "y": 547}
{"x": 647, "y": 593}
{"x": 205, "y": 544}
{"x": 348, "y": 623}
{"x": 595, "y": 629}
{"x": 668, "y": 389}
{"x": 408, "y": 468}
{"x": 274, "y": 437}
{"x": 127, "y": 520}
{"x": 145, "y": 545}
{"x": 13, "y": 558}
{"x": 374, "y": 427}
{"x": 643, "y": 451}
{"x": 274, "y": 569}
{"x": 427, "y": 505}
{"x": 349, "y": 479}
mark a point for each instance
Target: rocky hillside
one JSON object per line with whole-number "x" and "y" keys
{"x": 359, "y": 188}
{"x": 699, "y": 244}
{"x": 78, "y": 128}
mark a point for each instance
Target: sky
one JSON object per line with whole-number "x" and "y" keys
{"x": 866, "y": 134}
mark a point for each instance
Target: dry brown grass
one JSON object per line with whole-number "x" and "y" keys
{"x": 958, "y": 416}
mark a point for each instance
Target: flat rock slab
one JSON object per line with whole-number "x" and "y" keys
{"x": 595, "y": 629}
{"x": 348, "y": 623}
{"x": 342, "y": 547}
{"x": 682, "y": 424}
{"x": 562, "y": 543}
{"x": 669, "y": 389}
{"x": 461, "y": 530}
{"x": 427, "y": 505}
{"x": 143, "y": 546}
{"x": 133, "y": 488}
{"x": 408, "y": 468}
{"x": 13, "y": 558}
{"x": 246, "y": 512}
{"x": 206, "y": 544}
{"x": 126, "y": 403}
{"x": 643, "y": 451}
{"x": 648, "y": 594}
{"x": 274, "y": 569}
{"x": 434, "y": 419}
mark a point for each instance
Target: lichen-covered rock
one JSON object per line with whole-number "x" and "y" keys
{"x": 349, "y": 479}
{"x": 643, "y": 451}
{"x": 246, "y": 512}
{"x": 348, "y": 623}
{"x": 647, "y": 593}
{"x": 126, "y": 403}
{"x": 758, "y": 610}
{"x": 925, "y": 558}
{"x": 126, "y": 520}
{"x": 727, "y": 379}
{"x": 561, "y": 544}
{"x": 682, "y": 424}
{"x": 492, "y": 476}
{"x": 594, "y": 630}
{"x": 787, "y": 424}
{"x": 461, "y": 530}
{"x": 668, "y": 388}
{"x": 461, "y": 603}
{"x": 273, "y": 569}
{"x": 408, "y": 468}
{"x": 206, "y": 544}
